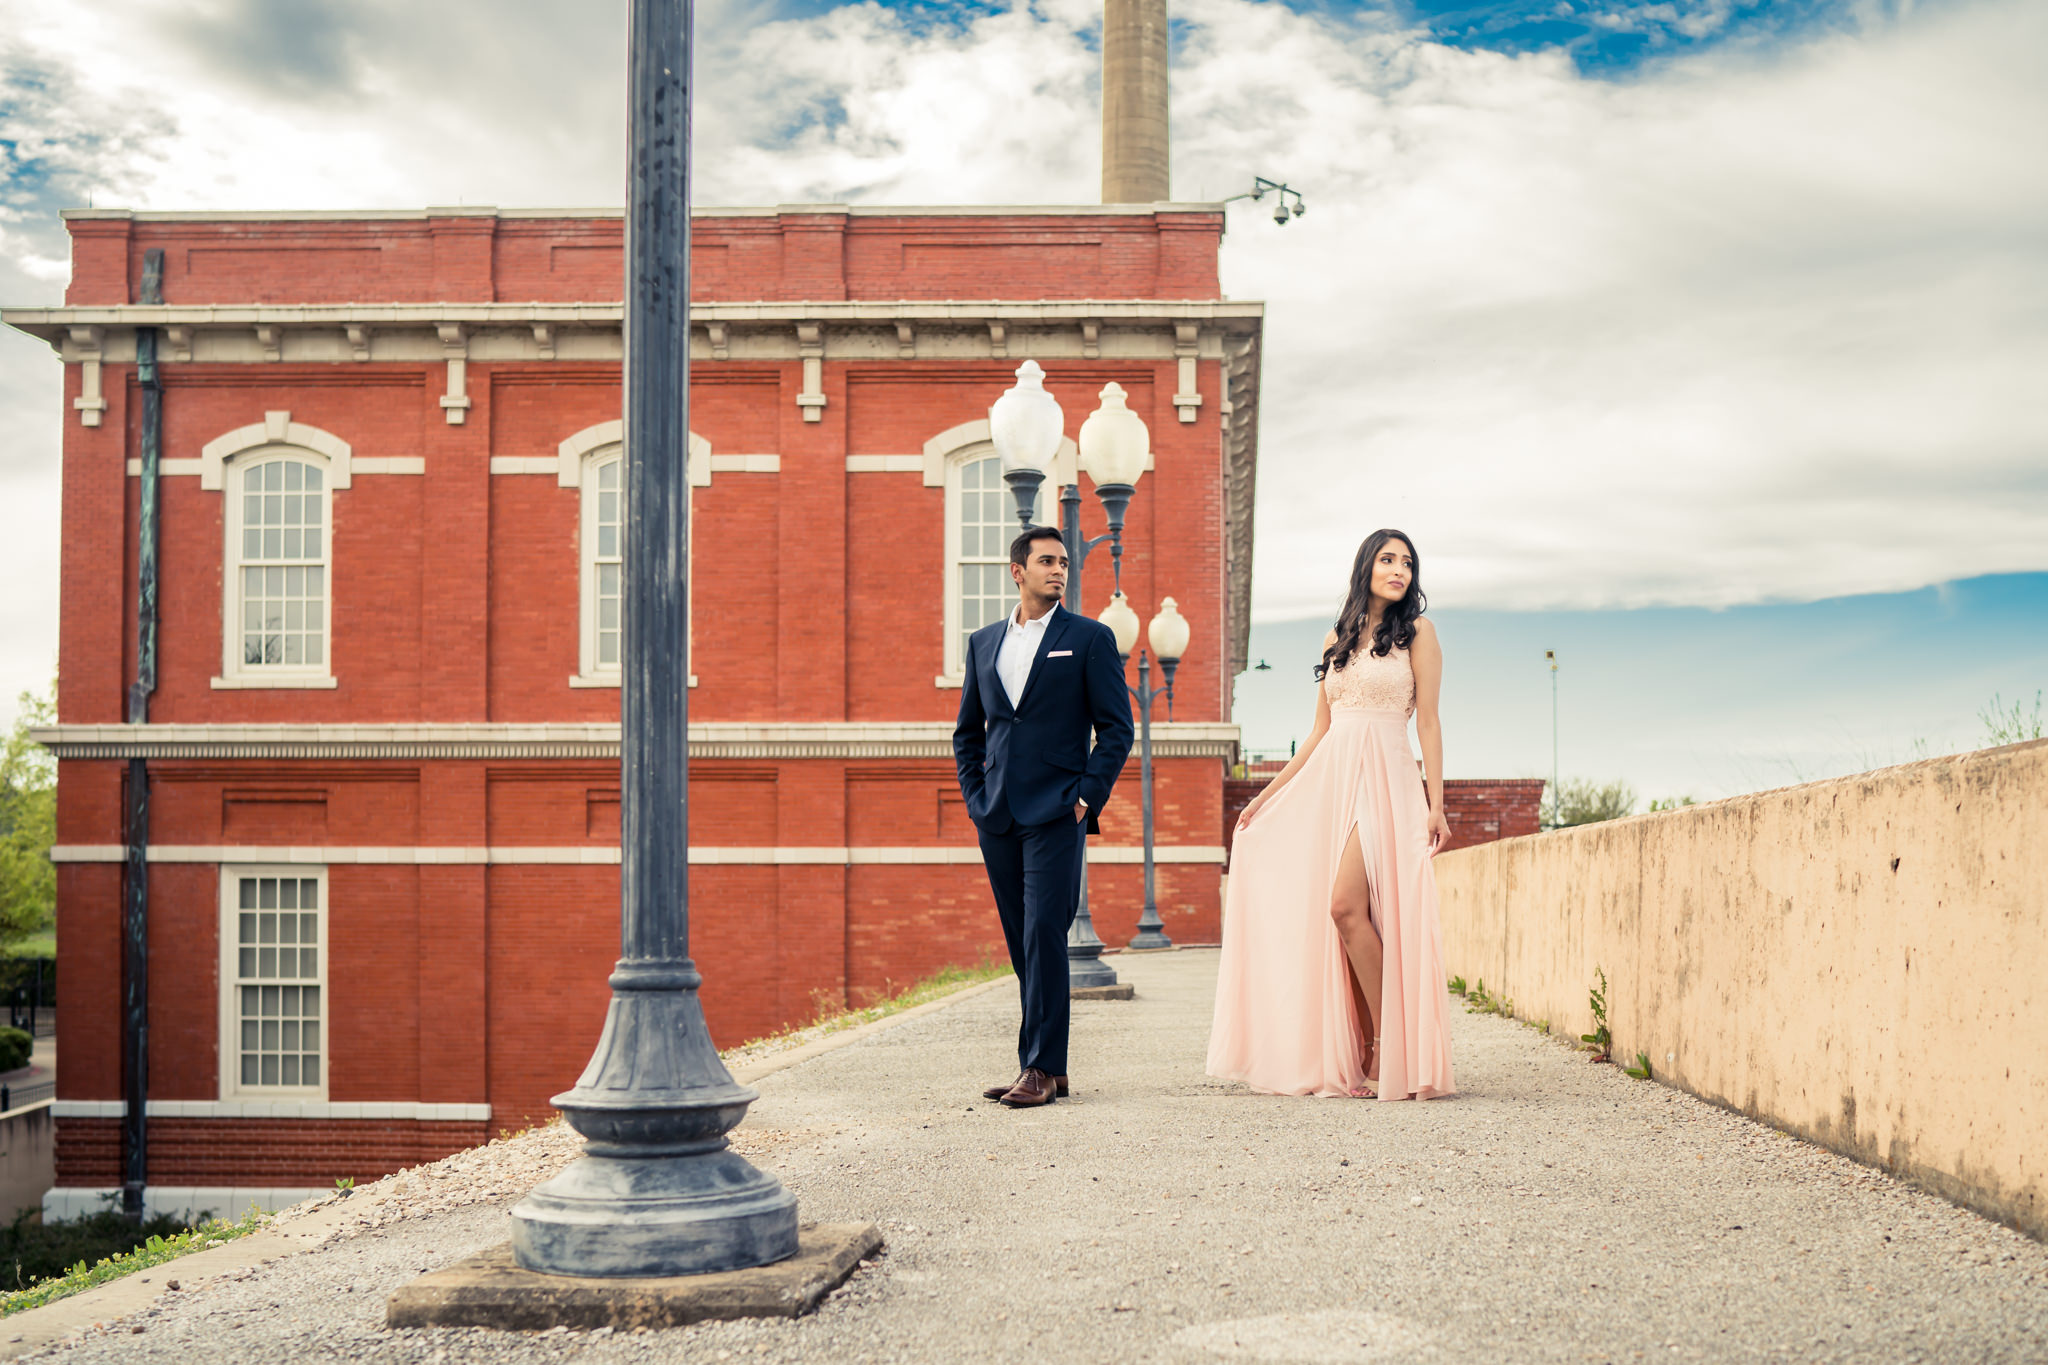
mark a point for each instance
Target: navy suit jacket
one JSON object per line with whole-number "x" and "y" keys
{"x": 1028, "y": 764}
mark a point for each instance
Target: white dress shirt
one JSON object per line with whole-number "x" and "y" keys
{"x": 1019, "y": 647}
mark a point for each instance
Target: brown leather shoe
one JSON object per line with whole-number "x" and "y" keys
{"x": 996, "y": 1092}
{"x": 1033, "y": 1088}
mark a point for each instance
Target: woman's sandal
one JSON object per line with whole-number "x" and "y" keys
{"x": 1362, "y": 1092}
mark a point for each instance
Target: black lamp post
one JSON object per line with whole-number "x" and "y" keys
{"x": 656, "y": 1191}
{"x": 1024, "y": 425}
{"x": 1168, "y": 636}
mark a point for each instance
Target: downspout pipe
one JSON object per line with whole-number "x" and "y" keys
{"x": 135, "y": 888}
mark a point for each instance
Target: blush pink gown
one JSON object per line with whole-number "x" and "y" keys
{"x": 1286, "y": 1022}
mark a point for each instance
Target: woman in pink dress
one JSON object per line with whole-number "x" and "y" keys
{"x": 1332, "y": 979}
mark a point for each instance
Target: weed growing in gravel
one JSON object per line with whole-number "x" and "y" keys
{"x": 155, "y": 1251}
{"x": 1601, "y": 1039}
{"x": 1457, "y": 985}
{"x": 1641, "y": 1070}
{"x": 1480, "y": 1000}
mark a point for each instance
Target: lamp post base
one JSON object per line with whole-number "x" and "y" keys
{"x": 657, "y": 1191}
{"x": 1084, "y": 972}
{"x": 644, "y": 1216}
{"x": 1149, "y": 939}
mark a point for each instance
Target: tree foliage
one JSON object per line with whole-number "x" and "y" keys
{"x": 1582, "y": 801}
{"x": 28, "y": 824}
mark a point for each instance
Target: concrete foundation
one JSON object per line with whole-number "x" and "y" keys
{"x": 489, "y": 1290}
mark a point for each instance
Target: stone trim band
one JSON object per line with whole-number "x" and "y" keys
{"x": 276, "y": 1109}
{"x": 917, "y": 739}
{"x": 597, "y": 855}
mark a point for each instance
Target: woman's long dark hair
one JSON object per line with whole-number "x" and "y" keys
{"x": 1396, "y": 629}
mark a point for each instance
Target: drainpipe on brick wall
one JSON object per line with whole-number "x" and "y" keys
{"x": 135, "y": 890}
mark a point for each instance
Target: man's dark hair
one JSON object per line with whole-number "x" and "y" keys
{"x": 1020, "y": 548}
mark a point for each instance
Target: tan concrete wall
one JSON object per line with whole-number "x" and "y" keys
{"x": 1863, "y": 962}
{"x": 28, "y": 1158}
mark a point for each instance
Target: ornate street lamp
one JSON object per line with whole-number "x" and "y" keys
{"x": 1168, "y": 635}
{"x": 1026, "y": 427}
{"x": 656, "y": 1191}
{"x": 1114, "y": 447}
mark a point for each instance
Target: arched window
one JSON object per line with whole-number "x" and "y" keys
{"x": 277, "y": 607}
{"x": 981, "y": 521}
{"x": 593, "y": 461}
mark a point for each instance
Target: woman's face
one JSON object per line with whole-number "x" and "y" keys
{"x": 1393, "y": 569}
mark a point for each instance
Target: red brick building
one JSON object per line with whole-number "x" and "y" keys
{"x": 382, "y": 749}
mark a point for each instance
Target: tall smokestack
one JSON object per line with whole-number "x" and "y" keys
{"x": 1134, "y": 145}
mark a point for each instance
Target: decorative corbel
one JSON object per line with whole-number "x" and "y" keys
{"x": 455, "y": 346}
{"x": 271, "y": 338}
{"x": 998, "y": 344}
{"x": 180, "y": 339}
{"x": 544, "y": 339}
{"x": 1186, "y": 344}
{"x": 721, "y": 340}
{"x": 359, "y": 340}
{"x": 90, "y": 401}
{"x": 810, "y": 344}
{"x": 1091, "y": 338}
{"x": 906, "y": 341}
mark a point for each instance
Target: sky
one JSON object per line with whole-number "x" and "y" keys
{"x": 1634, "y": 313}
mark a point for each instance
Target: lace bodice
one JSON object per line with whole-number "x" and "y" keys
{"x": 1367, "y": 682}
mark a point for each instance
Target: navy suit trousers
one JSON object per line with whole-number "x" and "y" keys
{"x": 1035, "y": 872}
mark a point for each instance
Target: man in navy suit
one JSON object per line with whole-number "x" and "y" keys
{"x": 1038, "y": 684}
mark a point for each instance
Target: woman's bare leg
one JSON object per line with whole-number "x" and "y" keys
{"x": 1351, "y": 909}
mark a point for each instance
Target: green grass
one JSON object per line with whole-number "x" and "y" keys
{"x": 833, "y": 1019}
{"x": 155, "y": 1251}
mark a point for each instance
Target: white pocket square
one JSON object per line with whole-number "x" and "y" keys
{"x": 1059, "y": 654}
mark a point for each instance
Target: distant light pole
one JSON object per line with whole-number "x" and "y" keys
{"x": 1168, "y": 635}
{"x": 657, "y": 1191}
{"x": 1025, "y": 425}
{"x": 1551, "y": 655}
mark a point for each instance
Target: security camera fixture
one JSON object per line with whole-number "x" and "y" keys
{"x": 1287, "y": 200}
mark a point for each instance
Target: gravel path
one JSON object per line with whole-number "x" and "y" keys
{"x": 1556, "y": 1210}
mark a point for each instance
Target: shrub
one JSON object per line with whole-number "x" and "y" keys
{"x": 15, "y": 1047}
{"x": 43, "y": 1251}
{"x": 1578, "y": 801}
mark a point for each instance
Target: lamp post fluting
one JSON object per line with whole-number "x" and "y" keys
{"x": 1168, "y": 636}
{"x": 656, "y": 1191}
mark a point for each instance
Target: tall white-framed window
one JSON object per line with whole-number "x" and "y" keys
{"x": 981, "y": 521}
{"x": 601, "y": 538}
{"x": 273, "y": 975}
{"x": 277, "y": 601}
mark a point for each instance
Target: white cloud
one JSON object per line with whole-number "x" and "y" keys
{"x": 1760, "y": 324}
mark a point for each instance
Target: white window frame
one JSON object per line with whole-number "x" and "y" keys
{"x": 229, "y": 1051}
{"x": 589, "y": 672}
{"x": 234, "y": 672}
{"x": 956, "y": 468}
{"x": 592, "y": 450}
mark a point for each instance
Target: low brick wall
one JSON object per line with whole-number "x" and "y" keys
{"x": 1480, "y": 809}
{"x": 1858, "y": 961}
{"x": 240, "y": 1151}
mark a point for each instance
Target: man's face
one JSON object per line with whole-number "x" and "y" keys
{"x": 1042, "y": 578}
